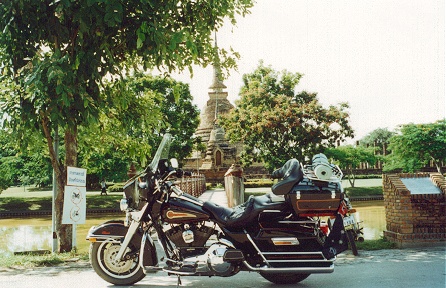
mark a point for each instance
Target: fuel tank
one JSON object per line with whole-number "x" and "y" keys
{"x": 184, "y": 209}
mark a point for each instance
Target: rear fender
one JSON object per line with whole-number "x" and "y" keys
{"x": 115, "y": 231}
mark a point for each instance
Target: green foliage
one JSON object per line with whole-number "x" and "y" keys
{"x": 22, "y": 166}
{"x": 379, "y": 244}
{"x": 44, "y": 203}
{"x": 275, "y": 124}
{"x": 349, "y": 157}
{"x": 25, "y": 204}
{"x": 179, "y": 116}
{"x": 47, "y": 260}
{"x": 379, "y": 139}
{"x": 364, "y": 191}
{"x": 121, "y": 136}
{"x": 130, "y": 130}
{"x": 415, "y": 145}
{"x": 98, "y": 201}
{"x": 259, "y": 183}
{"x": 56, "y": 54}
{"x": 116, "y": 187}
{"x": 369, "y": 176}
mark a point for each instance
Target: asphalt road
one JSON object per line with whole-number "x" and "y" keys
{"x": 385, "y": 268}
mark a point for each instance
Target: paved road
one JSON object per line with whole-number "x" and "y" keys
{"x": 385, "y": 268}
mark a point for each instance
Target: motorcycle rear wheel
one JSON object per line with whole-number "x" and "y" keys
{"x": 351, "y": 240}
{"x": 126, "y": 272}
{"x": 284, "y": 278}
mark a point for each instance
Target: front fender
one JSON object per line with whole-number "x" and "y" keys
{"x": 110, "y": 230}
{"x": 115, "y": 230}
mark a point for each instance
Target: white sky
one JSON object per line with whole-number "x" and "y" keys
{"x": 386, "y": 58}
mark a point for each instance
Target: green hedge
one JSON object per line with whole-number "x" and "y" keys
{"x": 366, "y": 176}
{"x": 258, "y": 183}
{"x": 364, "y": 191}
{"x": 116, "y": 187}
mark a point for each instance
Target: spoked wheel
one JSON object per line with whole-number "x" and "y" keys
{"x": 284, "y": 278}
{"x": 102, "y": 257}
{"x": 351, "y": 240}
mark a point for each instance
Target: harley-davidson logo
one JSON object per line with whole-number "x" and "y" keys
{"x": 173, "y": 215}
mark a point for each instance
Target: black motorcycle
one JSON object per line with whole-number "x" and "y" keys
{"x": 280, "y": 235}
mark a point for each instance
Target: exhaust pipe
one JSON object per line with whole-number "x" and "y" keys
{"x": 297, "y": 270}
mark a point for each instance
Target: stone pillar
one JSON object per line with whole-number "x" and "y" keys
{"x": 234, "y": 187}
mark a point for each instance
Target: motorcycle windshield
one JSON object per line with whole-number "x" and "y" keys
{"x": 161, "y": 153}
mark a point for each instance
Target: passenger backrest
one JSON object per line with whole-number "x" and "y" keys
{"x": 291, "y": 173}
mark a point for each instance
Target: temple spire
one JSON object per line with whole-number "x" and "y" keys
{"x": 217, "y": 83}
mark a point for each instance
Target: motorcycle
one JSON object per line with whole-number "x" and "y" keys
{"x": 280, "y": 235}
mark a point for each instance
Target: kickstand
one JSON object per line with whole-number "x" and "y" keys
{"x": 179, "y": 281}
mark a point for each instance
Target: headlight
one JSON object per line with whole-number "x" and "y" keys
{"x": 124, "y": 205}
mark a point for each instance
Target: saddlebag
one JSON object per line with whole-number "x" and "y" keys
{"x": 315, "y": 198}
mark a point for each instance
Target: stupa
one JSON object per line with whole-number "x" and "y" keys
{"x": 219, "y": 154}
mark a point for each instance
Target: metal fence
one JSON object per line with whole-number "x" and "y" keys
{"x": 194, "y": 185}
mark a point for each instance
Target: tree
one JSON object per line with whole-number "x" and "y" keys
{"x": 349, "y": 157}
{"x": 275, "y": 124}
{"x": 23, "y": 166}
{"x": 415, "y": 145}
{"x": 179, "y": 116}
{"x": 379, "y": 139}
{"x": 162, "y": 104}
{"x": 58, "y": 53}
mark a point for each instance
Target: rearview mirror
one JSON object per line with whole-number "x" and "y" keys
{"x": 174, "y": 163}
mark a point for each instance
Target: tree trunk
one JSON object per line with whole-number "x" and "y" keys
{"x": 64, "y": 231}
{"x": 351, "y": 177}
{"x": 438, "y": 165}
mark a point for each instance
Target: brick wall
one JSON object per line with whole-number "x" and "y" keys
{"x": 414, "y": 220}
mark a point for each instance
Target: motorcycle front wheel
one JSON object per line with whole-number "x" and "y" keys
{"x": 284, "y": 278}
{"x": 102, "y": 257}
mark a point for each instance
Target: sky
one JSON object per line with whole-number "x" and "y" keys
{"x": 386, "y": 58}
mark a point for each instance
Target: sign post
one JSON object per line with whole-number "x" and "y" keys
{"x": 53, "y": 204}
{"x": 75, "y": 198}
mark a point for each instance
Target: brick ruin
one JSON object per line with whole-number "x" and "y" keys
{"x": 414, "y": 219}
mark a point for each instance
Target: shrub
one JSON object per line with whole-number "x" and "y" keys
{"x": 116, "y": 187}
{"x": 364, "y": 191}
{"x": 257, "y": 183}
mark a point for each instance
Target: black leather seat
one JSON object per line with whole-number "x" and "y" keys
{"x": 242, "y": 214}
{"x": 291, "y": 173}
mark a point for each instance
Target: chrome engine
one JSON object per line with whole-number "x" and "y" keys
{"x": 212, "y": 263}
{"x": 199, "y": 259}
{"x": 189, "y": 235}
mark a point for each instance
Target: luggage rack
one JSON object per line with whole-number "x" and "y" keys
{"x": 336, "y": 173}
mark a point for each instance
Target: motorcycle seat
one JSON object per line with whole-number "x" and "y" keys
{"x": 291, "y": 173}
{"x": 245, "y": 213}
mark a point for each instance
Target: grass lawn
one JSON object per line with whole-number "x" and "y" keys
{"x": 364, "y": 191}
{"x": 32, "y": 199}
{"x": 45, "y": 203}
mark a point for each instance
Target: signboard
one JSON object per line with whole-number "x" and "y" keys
{"x": 76, "y": 176}
{"x": 75, "y": 204}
